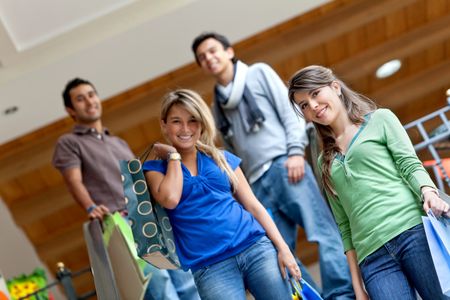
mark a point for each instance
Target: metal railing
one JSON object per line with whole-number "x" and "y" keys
{"x": 429, "y": 140}
{"x": 64, "y": 278}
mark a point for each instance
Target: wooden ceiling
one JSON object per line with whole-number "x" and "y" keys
{"x": 352, "y": 37}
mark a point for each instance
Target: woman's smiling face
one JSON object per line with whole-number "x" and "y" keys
{"x": 321, "y": 105}
{"x": 181, "y": 128}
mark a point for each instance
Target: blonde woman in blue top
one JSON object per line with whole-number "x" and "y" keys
{"x": 374, "y": 182}
{"x": 222, "y": 232}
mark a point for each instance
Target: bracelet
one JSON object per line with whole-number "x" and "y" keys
{"x": 430, "y": 189}
{"x": 91, "y": 208}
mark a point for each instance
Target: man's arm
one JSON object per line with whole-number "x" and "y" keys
{"x": 74, "y": 181}
{"x": 295, "y": 127}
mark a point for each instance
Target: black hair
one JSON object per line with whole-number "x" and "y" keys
{"x": 71, "y": 85}
{"x": 210, "y": 35}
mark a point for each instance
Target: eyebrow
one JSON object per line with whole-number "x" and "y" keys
{"x": 313, "y": 90}
{"x": 207, "y": 50}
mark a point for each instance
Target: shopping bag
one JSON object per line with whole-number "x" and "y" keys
{"x": 444, "y": 196}
{"x": 304, "y": 291}
{"x": 104, "y": 280}
{"x": 150, "y": 224}
{"x": 438, "y": 237}
{"x": 127, "y": 266}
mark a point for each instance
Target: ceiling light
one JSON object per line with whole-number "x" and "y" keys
{"x": 388, "y": 69}
{"x": 10, "y": 110}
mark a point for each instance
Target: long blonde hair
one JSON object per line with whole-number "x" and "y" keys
{"x": 196, "y": 106}
{"x": 356, "y": 105}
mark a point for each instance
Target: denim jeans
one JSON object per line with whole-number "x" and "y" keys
{"x": 400, "y": 266}
{"x": 302, "y": 204}
{"x": 255, "y": 269}
{"x": 170, "y": 285}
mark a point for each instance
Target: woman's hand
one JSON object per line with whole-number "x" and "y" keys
{"x": 162, "y": 150}
{"x": 287, "y": 260}
{"x": 432, "y": 201}
{"x": 361, "y": 295}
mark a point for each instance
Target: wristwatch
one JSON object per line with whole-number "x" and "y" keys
{"x": 173, "y": 156}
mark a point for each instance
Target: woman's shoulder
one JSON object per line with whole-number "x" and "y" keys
{"x": 383, "y": 113}
{"x": 232, "y": 159}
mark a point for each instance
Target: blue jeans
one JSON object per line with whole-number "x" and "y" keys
{"x": 170, "y": 285}
{"x": 400, "y": 266}
{"x": 255, "y": 268}
{"x": 302, "y": 204}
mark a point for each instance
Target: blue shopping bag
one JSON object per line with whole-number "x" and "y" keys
{"x": 438, "y": 237}
{"x": 304, "y": 291}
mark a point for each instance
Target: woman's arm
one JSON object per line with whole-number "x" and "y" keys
{"x": 409, "y": 165}
{"x": 166, "y": 189}
{"x": 358, "y": 285}
{"x": 246, "y": 197}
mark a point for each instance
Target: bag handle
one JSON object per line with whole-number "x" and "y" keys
{"x": 296, "y": 286}
{"x": 143, "y": 157}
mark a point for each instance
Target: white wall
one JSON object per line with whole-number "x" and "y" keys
{"x": 17, "y": 255}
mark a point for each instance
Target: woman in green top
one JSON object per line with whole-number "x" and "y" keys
{"x": 373, "y": 180}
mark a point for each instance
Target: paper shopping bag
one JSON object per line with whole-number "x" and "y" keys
{"x": 126, "y": 265}
{"x": 438, "y": 237}
{"x": 150, "y": 224}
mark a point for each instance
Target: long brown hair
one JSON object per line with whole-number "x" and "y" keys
{"x": 196, "y": 106}
{"x": 356, "y": 105}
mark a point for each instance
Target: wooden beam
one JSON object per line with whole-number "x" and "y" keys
{"x": 400, "y": 47}
{"x": 63, "y": 243}
{"x": 36, "y": 207}
{"x": 291, "y": 42}
{"x": 400, "y": 93}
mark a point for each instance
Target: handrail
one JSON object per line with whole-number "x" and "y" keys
{"x": 428, "y": 142}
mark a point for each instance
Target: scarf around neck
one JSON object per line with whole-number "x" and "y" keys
{"x": 240, "y": 97}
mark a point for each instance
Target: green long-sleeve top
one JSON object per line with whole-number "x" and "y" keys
{"x": 378, "y": 185}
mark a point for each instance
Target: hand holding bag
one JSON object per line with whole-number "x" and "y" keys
{"x": 149, "y": 222}
{"x": 438, "y": 237}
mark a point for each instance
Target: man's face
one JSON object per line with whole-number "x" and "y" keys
{"x": 87, "y": 107}
{"x": 213, "y": 58}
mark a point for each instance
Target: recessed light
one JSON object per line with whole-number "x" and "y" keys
{"x": 10, "y": 110}
{"x": 389, "y": 68}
